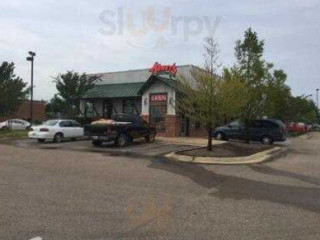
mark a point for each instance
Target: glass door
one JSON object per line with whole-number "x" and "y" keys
{"x": 157, "y": 117}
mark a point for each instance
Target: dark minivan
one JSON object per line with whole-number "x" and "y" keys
{"x": 266, "y": 131}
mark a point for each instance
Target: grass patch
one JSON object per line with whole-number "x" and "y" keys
{"x": 294, "y": 134}
{"x": 13, "y": 134}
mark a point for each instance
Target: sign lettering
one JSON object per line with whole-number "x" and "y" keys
{"x": 158, "y": 98}
{"x": 158, "y": 68}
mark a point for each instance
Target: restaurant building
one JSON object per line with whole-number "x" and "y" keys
{"x": 151, "y": 93}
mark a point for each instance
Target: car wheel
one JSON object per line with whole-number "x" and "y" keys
{"x": 220, "y": 136}
{"x": 4, "y": 128}
{"x": 266, "y": 140}
{"x": 58, "y": 138}
{"x": 96, "y": 143}
{"x": 150, "y": 138}
{"x": 121, "y": 140}
{"x": 41, "y": 140}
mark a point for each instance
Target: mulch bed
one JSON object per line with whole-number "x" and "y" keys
{"x": 227, "y": 149}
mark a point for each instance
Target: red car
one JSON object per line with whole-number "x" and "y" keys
{"x": 297, "y": 127}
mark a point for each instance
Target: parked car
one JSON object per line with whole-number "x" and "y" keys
{"x": 15, "y": 124}
{"x": 56, "y": 130}
{"x": 309, "y": 127}
{"x": 316, "y": 127}
{"x": 121, "y": 128}
{"x": 299, "y": 127}
{"x": 265, "y": 130}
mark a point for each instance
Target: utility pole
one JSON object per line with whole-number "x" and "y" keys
{"x": 317, "y": 98}
{"x": 31, "y": 59}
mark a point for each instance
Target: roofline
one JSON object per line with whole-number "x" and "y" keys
{"x": 118, "y": 83}
{"x": 99, "y": 98}
{"x": 28, "y": 100}
{"x": 149, "y": 81}
{"x": 142, "y": 69}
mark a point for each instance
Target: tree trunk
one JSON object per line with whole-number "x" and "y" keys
{"x": 209, "y": 146}
{"x": 247, "y": 138}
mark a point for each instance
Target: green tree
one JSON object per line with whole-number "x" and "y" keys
{"x": 303, "y": 109}
{"x": 209, "y": 98}
{"x": 12, "y": 89}
{"x": 251, "y": 70}
{"x": 278, "y": 94}
{"x": 56, "y": 107}
{"x": 71, "y": 87}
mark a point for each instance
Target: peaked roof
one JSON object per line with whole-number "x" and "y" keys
{"x": 169, "y": 81}
{"x": 119, "y": 90}
{"x": 140, "y": 75}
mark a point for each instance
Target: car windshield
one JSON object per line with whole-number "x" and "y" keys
{"x": 235, "y": 124}
{"x": 279, "y": 122}
{"x": 50, "y": 123}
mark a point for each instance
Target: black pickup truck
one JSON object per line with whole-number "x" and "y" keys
{"x": 122, "y": 128}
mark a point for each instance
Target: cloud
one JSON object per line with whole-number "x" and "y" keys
{"x": 67, "y": 36}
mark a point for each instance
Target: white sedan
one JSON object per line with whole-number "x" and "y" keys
{"x": 15, "y": 124}
{"x": 56, "y": 130}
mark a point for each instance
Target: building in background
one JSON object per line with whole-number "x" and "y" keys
{"x": 150, "y": 93}
{"x": 23, "y": 112}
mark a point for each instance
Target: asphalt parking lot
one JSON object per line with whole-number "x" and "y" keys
{"x": 53, "y": 193}
{"x": 138, "y": 148}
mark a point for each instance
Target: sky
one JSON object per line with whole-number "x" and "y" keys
{"x": 102, "y": 36}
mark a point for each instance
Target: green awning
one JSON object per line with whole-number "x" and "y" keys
{"x": 119, "y": 90}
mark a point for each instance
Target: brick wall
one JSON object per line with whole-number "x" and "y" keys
{"x": 198, "y": 132}
{"x": 172, "y": 125}
{"x": 23, "y": 111}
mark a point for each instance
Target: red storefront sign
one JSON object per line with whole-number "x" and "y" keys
{"x": 158, "y": 98}
{"x": 158, "y": 68}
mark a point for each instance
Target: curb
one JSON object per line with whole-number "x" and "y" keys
{"x": 264, "y": 156}
{"x": 12, "y": 139}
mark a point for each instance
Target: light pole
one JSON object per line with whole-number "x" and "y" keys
{"x": 31, "y": 59}
{"x": 317, "y": 98}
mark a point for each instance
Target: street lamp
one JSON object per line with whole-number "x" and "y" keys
{"x": 317, "y": 98}
{"x": 31, "y": 59}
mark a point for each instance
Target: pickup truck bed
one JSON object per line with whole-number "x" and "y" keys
{"x": 121, "y": 132}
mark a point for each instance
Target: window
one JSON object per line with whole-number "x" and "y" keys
{"x": 257, "y": 124}
{"x": 235, "y": 124}
{"x": 89, "y": 109}
{"x": 107, "y": 108}
{"x": 269, "y": 124}
{"x": 75, "y": 124}
{"x": 50, "y": 123}
{"x": 128, "y": 106}
{"x": 65, "y": 124}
